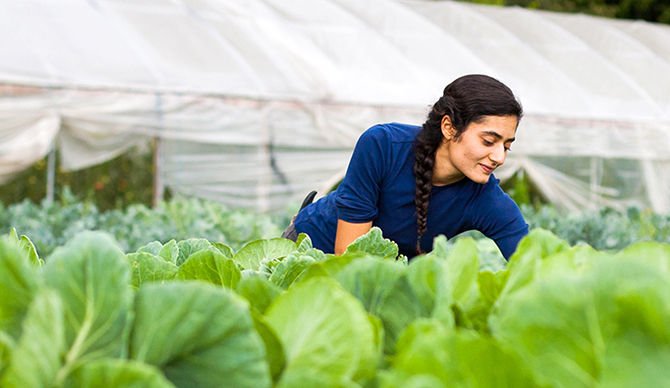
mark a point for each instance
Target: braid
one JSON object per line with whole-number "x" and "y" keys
{"x": 423, "y": 172}
{"x": 426, "y": 145}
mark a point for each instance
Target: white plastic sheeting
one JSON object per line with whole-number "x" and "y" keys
{"x": 256, "y": 102}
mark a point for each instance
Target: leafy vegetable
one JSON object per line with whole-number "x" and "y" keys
{"x": 382, "y": 287}
{"x": 457, "y": 358}
{"x": 92, "y": 277}
{"x": 373, "y": 243}
{"x": 198, "y": 335}
{"x": 115, "y": 373}
{"x": 327, "y": 336}
{"x": 36, "y": 361}
{"x": 147, "y": 268}
{"x": 211, "y": 266}
{"x": 18, "y": 285}
{"x": 251, "y": 255}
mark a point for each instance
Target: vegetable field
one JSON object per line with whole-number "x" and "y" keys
{"x": 274, "y": 313}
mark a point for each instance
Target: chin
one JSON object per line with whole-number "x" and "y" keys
{"x": 481, "y": 179}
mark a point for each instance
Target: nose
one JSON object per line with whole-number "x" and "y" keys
{"x": 498, "y": 155}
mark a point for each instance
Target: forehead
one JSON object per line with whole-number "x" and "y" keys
{"x": 505, "y": 126}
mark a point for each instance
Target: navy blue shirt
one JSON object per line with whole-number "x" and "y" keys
{"x": 379, "y": 187}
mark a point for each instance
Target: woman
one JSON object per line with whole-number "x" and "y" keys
{"x": 416, "y": 183}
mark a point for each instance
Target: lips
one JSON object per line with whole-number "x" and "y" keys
{"x": 487, "y": 169}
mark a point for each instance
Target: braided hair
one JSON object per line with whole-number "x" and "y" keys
{"x": 466, "y": 100}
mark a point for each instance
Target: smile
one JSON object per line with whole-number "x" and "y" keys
{"x": 487, "y": 169}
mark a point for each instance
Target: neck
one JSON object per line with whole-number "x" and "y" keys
{"x": 444, "y": 173}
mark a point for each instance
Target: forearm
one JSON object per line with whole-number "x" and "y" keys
{"x": 347, "y": 232}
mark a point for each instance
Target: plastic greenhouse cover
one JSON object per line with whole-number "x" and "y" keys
{"x": 258, "y": 102}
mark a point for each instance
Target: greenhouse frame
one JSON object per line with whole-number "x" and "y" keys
{"x": 254, "y": 103}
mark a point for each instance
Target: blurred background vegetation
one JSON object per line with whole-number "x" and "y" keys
{"x": 649, "y": 10}
{"x": 115, "y": 184}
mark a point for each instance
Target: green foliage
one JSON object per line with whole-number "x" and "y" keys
{"x": 187, "y": 313}
{"x": 602, "y": 229}
{"x": 198, "y": 335}
{"x": 650, "y": 10}
{"x": 52, "y": 225}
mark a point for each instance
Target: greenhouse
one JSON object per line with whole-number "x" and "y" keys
{"x": 255, "y": 103}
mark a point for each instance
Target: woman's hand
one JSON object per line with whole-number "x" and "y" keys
{"x": 347, "y": 232}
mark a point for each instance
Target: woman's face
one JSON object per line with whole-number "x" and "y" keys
{"x": 478, "y": 151}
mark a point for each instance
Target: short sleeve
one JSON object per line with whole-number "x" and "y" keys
{"x": 358, "y": 193}
{"x": 503, "y": 222}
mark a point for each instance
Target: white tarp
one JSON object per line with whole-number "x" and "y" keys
{"x": 259, "y": 101}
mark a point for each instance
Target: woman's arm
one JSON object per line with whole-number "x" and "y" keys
{"x": 347, "y": 232}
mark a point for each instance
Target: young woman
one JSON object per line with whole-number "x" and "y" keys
{"x": 416, "y": 183}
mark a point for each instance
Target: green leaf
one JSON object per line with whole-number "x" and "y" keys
{"x": 36, "y": 361}
{"x": 329, "y": 267}
{"x": 18, "y": 284}
{"x": 29, "y": 248}
{"x": 397, "y": 379}
{"x": 147, "y": 268}
{"x": 458, "y": 358}
{"x": 7, "y": 344}
{"x": 462, "y": 269}
{"x": 424, "y": 274}
{"x": 189, "y": 247}
{"x": 258, "y": 291}
{"x": 326, "y": 333}
{"x": 199, "y": 335}
{"x": 290, "y": 269}
{"x": 273, "y": 347}
{"x": 525, "y": 264}
{"x": 210, "y": 266}
{"x": 251, "y": 255}
{"x": 382, "y": 287}
{"x": 13, "y": 236}
{"x": 224, "y": 249}
{"x": 430, "y": 279}
{"x": 490, "y": 287}
{"x": 653, "y": 253}
{"x": 440, "y": 247}
{"x": 153, "y": 247}
{"x": 92, "y": 276}
{"x": 373, "y": 243}
{"x": 577, "y": 328}
{"x": 635, "y": 360}
{"x": 169, "y": 252}
{"x": 115, "y": 373}
{"x": 303, "y": 242}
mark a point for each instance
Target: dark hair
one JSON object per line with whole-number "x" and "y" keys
{"x": 466, "y": 100}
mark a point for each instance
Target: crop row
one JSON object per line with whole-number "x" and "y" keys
{"x": 275, "y": 313}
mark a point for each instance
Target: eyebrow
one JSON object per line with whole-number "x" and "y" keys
{"x": 497, "y": 135}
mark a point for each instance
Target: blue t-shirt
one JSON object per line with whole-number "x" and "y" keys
{"x": 379, "y": 187}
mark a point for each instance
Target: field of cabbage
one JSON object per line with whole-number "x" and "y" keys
{"x": 274, "y": 313}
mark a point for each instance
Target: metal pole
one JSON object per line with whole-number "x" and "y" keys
{"x": 51, "y": 175}
{"x": 159, "y": 185}
{"x": 159, "y": 182}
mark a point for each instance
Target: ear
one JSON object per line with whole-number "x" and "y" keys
{"x": 448, "y": 130}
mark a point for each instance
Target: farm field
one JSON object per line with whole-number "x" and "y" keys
{"x": 274, "y": 313}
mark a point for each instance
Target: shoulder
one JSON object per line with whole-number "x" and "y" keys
{"x": 490, "y": 189}
{"x": 491, "y": 197}
{"x": 391, "y": 133}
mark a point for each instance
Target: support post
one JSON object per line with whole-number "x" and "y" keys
{"x": 159, "y": 185}
{"x": 595, "y": 178}
{"x": 159, "y": 180}
{"x": 51, "y": 176}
